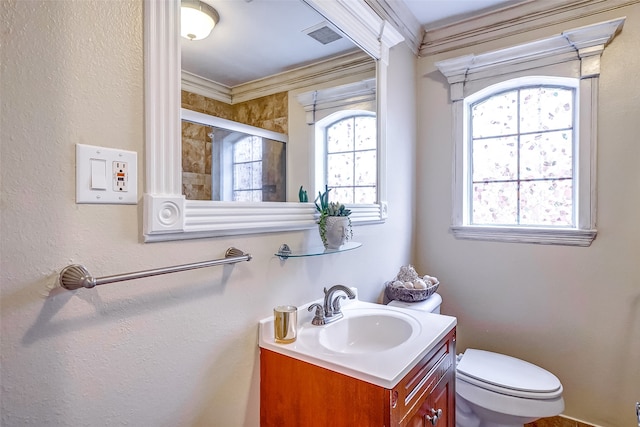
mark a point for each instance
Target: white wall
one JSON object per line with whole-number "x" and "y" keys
{"x": 574, "y": 311}
{"x": 175, "y": 350}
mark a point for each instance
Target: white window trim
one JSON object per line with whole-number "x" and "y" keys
{"x": 574, "y": 53}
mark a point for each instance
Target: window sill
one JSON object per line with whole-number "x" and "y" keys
{"x": 543, "y": 236}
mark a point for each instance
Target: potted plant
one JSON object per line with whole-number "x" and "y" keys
{"x": 334, "y": 223}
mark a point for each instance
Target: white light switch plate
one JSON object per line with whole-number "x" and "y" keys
{"x": 106, "y": 175}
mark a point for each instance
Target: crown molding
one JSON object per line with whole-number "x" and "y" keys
{"x": 400, "y": 16}
{"x": 195, "y": 84}
{"x": 357, "y": 63}
{"x": 525, "y": 16}
{"x": 512, "y": 20}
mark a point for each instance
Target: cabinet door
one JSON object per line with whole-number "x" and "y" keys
{"x": 430, "y": 385}
{"x": 443, "y": 403}
{"x": 439, "y": 407}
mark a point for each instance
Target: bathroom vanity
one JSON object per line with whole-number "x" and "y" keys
{"x": 409, "y": 382}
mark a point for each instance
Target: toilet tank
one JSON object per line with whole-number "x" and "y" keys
{"x": 431, "y": 304}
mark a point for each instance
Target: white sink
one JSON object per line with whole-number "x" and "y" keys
{"x": 367, "y": 332}
{"x": 375, "y": 343}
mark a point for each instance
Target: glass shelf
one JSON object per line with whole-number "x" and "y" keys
{"x": 285, "y": 252}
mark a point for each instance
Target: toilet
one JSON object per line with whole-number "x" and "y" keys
{"x": 495, "y": 390}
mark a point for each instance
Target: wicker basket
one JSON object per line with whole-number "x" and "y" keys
{"x": 409, "y": 295}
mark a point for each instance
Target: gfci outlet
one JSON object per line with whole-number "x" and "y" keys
{"x": 120, "y": 177}
{"x": 106, "y": 175}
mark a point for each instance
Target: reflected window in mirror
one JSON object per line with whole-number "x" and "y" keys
{"x": 344, "y": 136}
{"x": 247, "y": 169}
{"x": 349, "y": 158}
{"x": 258, "y": 170}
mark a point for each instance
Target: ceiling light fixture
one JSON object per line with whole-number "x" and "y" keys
{"x": 197, "y": 19}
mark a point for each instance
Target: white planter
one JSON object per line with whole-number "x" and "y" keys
{"x": 337, "y": 230}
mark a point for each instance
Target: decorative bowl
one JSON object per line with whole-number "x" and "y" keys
{"x": 409, "y": 295}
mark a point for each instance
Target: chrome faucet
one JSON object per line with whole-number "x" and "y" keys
{"x": 330, "y": 312}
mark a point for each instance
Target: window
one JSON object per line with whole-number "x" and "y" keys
{"x": 350, "y": 157}
{"x": 520, "y": 143}
{"x": 347, "y": 150}
{"x": 247, "y": 169}
{"x": 525, "y": 145}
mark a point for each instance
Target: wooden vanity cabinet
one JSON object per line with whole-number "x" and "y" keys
{"x": 299, "y": 394}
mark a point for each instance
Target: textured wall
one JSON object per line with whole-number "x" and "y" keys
{"x": 174, "y": 350}
{"x": 574, "y": 311}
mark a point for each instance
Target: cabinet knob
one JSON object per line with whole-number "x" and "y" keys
{"x": 434, "y": 417}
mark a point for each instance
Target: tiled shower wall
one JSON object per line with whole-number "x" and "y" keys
{"x": 268, "y": 112}
{"x": 196, "y": 161}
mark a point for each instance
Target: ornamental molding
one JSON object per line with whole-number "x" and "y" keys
{"x": 336, "y": 97}
{"x": 527, "y": 15}
{"x": 584, "y": 43}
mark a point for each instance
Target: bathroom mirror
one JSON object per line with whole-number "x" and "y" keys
{"x": 244, "y": 73}
{"x": 168, "y": 215}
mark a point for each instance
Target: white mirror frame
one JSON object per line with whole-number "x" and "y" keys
{"x": 167, "y": 213}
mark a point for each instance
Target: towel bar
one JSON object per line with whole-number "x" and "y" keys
{"x": 76, "y": 276}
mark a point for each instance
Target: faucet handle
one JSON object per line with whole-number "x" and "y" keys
{"x": 335, "y": 305}
{"x": 318, "y": 318}
{"x": 318, "y": 308}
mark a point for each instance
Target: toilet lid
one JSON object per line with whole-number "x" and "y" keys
{"x": 507, "y": 375}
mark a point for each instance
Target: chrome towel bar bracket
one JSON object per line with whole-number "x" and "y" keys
{"x": 76, "y": 276}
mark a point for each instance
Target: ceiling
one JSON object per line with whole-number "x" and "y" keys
{"x": 259, "y": 38}
{"x": 433, "y": 13}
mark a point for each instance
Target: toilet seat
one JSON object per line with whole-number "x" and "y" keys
{"x": 507, "y": 375}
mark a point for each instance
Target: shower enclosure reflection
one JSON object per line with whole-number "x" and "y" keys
{"x": 225, "y": 160}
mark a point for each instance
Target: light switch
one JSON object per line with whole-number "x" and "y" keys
{"x": 98, "y": 174}
{"x": 106, "y": 175}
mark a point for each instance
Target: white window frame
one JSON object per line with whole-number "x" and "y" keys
{"x": 574, "y": 54}
{"x": 346, "y": 100}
